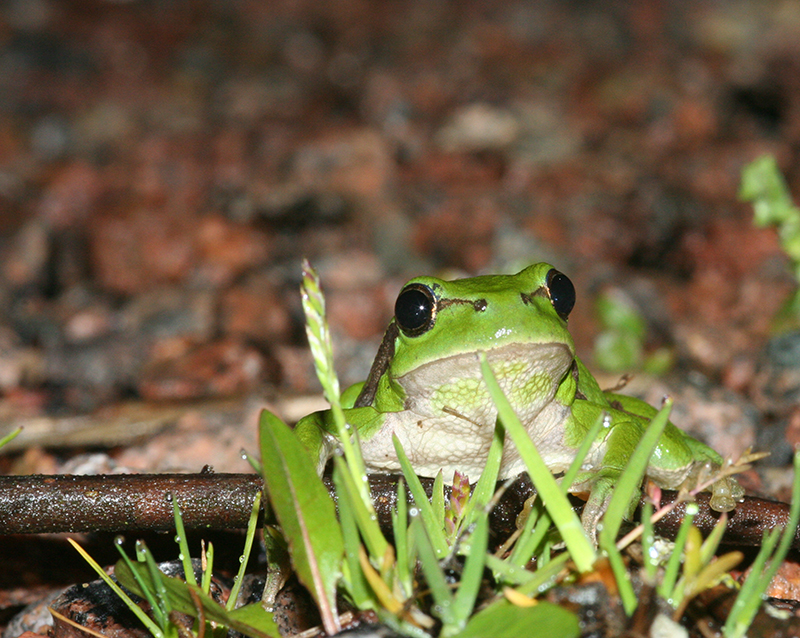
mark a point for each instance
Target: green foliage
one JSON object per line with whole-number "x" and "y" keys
{"x": 409, "y": 584}
{"x": 554, "y": 499}
{"x": 765, "y": 566}
{"x": 167, "y": 595}
{"x": 764, "y": 186}
{"x": 305, "y": 512}
{"x": 510, "y": 621}
{"x": 620, "y": 347}
{"x": 175, "y": 594}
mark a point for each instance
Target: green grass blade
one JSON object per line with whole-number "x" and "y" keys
{"x": 471, "y": 576}
{"x": 306, "y": 513}
{"x": 137, "y": 611}
{"x": 403, "y": 569}
{"x": 319, "y": 341}
{"x": 251, "y": 620}
{"x": 580, "y": 454}
{"x": 10, "y": 437}
{"x": 508, "y": 573}
{"x": 672, "y": 570}
{"x": 623, "y": 578}
{"x": 557, "y": 504}
{"x": 628, "y": 486}
{"x": 157, "y": 582}
{"x": 531, "y": 538}
{"x": 484, "y": 489}
{"x": 183, "y": 545}
{"x": 432, "y": 526}
{"x": 357, "y": 585}
{"x": 208, "y": 571}
{"x": 437, "y": 500}
{"x": 434, "y": 576}
{"x": 364, "y": 516}
{"x": 536, "y": 527}
{"x": 648, "y": 543}
{"x": 248, "y": 547}
{"x": 147, "y": 592}
{"x": 749, "y": 598}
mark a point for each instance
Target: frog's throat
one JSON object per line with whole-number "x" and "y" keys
{"x": 528, "y": 374}
{"x": 448, "y": 419}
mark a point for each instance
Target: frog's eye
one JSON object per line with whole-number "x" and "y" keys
{"x": 415, "y": 309}
{"x": 561, "y": 292}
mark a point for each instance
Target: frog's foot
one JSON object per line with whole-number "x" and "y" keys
{"x": 597, "y": 504}
{"x": 726, "y": 492}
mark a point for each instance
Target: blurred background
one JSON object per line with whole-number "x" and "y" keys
{"x": 166, "y": 165}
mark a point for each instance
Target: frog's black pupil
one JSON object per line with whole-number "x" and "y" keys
{"x": 562, "y": 293}
{"x": 414, "y": 310}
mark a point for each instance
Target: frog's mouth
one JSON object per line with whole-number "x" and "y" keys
{"x": 528, "y": 374}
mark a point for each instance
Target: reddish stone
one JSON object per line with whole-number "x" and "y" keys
{"x": 225, "y": 250}
{"x": 255, "y": 311}
{"x": 133, "y": 252}
{"x": 222, "y": 368}
{"x": 355, "y": 163}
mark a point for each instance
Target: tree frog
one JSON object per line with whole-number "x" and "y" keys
{"x": 425, "y": 387}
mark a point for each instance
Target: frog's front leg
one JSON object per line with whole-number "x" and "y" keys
{"x": 313, "y": 434}
{"x": 619, "y": 444}
{"x": 317, "y": 431}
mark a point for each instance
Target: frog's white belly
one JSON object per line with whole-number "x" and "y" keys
{"x": 449, "y": 418}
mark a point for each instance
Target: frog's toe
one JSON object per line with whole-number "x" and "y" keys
{"x": 725, "y": 494}
{"x": 596, "y": 506}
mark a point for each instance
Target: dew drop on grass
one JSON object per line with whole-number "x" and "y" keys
{"x": 119, "y": 540}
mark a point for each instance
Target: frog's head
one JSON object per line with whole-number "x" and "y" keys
{"x": 520, "y": 321}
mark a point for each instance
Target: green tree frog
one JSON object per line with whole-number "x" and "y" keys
{"x": 425, "y": 387}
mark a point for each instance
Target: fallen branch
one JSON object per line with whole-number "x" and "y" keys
{"x": 139, "y": 502}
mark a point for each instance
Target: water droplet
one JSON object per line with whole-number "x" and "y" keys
{"x": 119, "y": 540}
{"x": 178, "y": 539}
{"x": 180, "y": 556}
{"x": 169, "y": 497}
{"x": 241, "y": 559}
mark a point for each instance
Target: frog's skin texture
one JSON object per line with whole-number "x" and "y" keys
{"x": 425, "y": 387}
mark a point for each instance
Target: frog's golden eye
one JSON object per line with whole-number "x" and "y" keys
{"x": 415, "y": 309}
{"x": 561, "y": 292}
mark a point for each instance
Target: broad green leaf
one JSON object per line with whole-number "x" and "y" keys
{"x": 251, "y": 620}
{"x": 306, "y": 513}
{"x": 505, "y": 620}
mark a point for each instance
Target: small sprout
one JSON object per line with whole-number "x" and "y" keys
{"x": 620, "y": 347}
{"x": 764, "y": 186}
